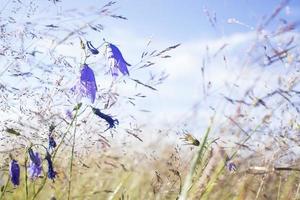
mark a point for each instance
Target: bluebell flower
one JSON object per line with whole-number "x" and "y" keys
{"x": 51, "y": 173}
{"x": 35, "y": 166}
{"x": 87, "y": 86}
{"x": 91, "y": 48}
{"x": 14, "y": 172}
{"x": 111, "y": 122}
{"x": 52, "y": 143}
{"x": 33, "y": 157}
{"x": 69, "y": 114}
{"x": 231, "y": 167}
{"x": 116, "y": 61}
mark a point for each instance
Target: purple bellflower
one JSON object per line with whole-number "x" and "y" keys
{"x": 87, "y": 86}
{"x": 69, "y": 114}
{"x": 52, "y": 143}
{"x": 116, "y": 61}
{"x": 35, "y": 167}
{"x": 231, "y": 167}
{"x": 51, "y": 173}
{"x": 91, "y": 48}
{"x": 111, "y": 122}
{"x": 14, "y": 172}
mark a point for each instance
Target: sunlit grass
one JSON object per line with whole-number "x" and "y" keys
{"x": 110, "y": 176}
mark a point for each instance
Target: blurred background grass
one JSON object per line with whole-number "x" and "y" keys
{"x": 135, "y": 176}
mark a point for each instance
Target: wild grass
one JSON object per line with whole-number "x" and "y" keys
{"x": 113, "y": 176}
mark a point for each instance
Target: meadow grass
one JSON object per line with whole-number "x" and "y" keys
{"x": 108, "y": 175}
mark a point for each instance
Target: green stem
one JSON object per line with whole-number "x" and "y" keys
{"x": 4, "y": 190}
{"x": 197, "y": 158}
{"x": 71, "y": 160}
{"x": 26, "y": 177}
{"x": 41, "y": 187}
{"x": 64, "y": 135}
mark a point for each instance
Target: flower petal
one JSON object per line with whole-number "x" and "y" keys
{"x": 14, "y": 171}
{"x": 116, "y": 60}
{"x": 86, "y": 86}
{"x": 91, "y": 48}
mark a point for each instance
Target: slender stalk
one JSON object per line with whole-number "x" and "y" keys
{"x": 279, "y": 188}
{"x": 64, "y": 135}
{"x": 26, "y": 177}
{"x": 71, "y": 160}
{"x": 210, "y": 185}
{"x": 197, "y": 158}
{"x": 41, "y": 187}
{"x": 260, "y": 188}
{"x": 117, "y": 189}
{"x": 33, "y": 187}
{"x": 4, "y": 190}
{"x": 297, "y": 192}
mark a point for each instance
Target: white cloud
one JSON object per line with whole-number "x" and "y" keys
{"x": 183, "y": 88}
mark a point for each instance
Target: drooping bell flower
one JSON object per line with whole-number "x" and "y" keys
{"x": 231, "y": 167}
{"x": 116, "y": 61}
{"x": 111, "y": 122}
{"x": 35, "y": 167}
{"x": 69, "y": 114}
{"x": 33, "y": 156}
{"x": 51, "y": 173}
{"x": 52, "y": 143}
{"x": 86, "y": 86}
{"x": 91, "y": 48}
{"x": 14, "y": 172}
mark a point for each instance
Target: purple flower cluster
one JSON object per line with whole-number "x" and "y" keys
{"x": 35, "y": 167}
{"x": 86, "y": 86}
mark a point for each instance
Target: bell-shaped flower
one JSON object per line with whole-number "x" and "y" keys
{"x": 51, "y": 173}
{"x": 111, "y": 122}
{"x": 86, "y": 86}
{"x": 52, "y": 143}
{"x": 14, "y": 172}
{"x": 231, "y": 167}
{"x": 91, "y": 48}
{"x": 116, "y": 60}
{"x": 35, "y": 167}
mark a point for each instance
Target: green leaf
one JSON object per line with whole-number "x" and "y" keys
{"x": 13, "y": 131}
{"x": 78, "y": 106}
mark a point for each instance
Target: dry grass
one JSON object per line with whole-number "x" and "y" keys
{"x": 131, "y": 176}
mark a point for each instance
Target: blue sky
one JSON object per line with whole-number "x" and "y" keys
{"x": 185, "y": 20}
{"x": 172, "y": 21}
